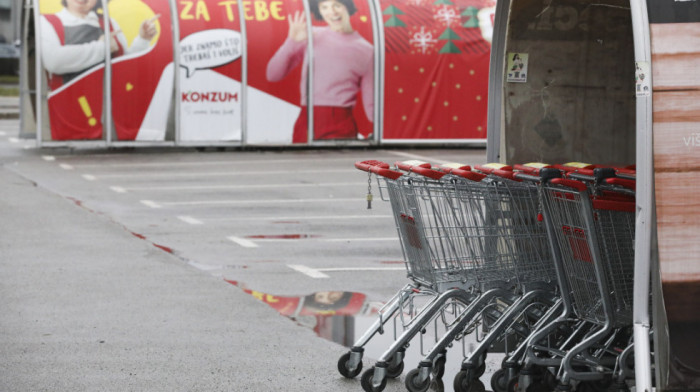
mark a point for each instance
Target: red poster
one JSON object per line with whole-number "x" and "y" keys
{"x": 343, "y": 71}
{"x": 142, "y": 82}
{"x": 273, "y": 106}
{"x": 73, "y": 52}
{"x": 436, "y": 68}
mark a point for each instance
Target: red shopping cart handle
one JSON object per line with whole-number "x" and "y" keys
{"x": 577, "y": 185}
{"x": 490, "y": 167}
{"x": 379, "y": 168}
{"x": 574, "y": 166}
{"x": 623, "y": 182}
{"x": 508, "y": 174}
{"x": 422, "y": 168}
{"x": 531, "y": 167}
{"x": 462, "y": 171}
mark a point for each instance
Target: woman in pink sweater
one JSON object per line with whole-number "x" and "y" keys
{"x": 343, "y": 67}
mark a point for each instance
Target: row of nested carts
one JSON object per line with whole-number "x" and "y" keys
{"x": 536, "y": 258}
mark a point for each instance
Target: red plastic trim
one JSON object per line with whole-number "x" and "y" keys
{"x": 623, "y": 182}
{"x": 379, "y": 168}
{"x": 421, "y": 169}
{"x": 526, "y": 168}
{"x": 469, "y": 175}
{"x": 578, "y": 185}
{"x": 488, "y": 169}
{"x": 451, "y": 166}
{"x": 613, "y": 205}
{"x": 506, "y": 174}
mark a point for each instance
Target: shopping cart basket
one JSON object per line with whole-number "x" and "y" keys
{"x": 594, "y": 237}
{"x": 497, "y": 215}
{"x": 431, "y": 269}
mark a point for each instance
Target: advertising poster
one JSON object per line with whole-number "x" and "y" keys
{"x": 675, "y": 49}
{"x": 343, "y": 72}
{"x": 274, "y": 100}
{"x": 210, "y": 70}
{"x": 142, "y": 77}
{"x": 436, "y": 68}
{"x": 73, "y": 57}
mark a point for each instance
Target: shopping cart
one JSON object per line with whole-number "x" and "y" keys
{"x": 497, "y": 215}
{"x": 591, "y": 227}
{"x": 432, "y": 270}
{"x": 465, "y": 263}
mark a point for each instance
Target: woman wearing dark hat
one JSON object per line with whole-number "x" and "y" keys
{"x": 343, "y": 67}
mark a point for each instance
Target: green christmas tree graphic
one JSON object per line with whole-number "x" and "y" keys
{"x": 450, "y": 36}
{"x": 394, "y": 20}
{"x": 470, "y": 13}
{"x": 443, "y": 2}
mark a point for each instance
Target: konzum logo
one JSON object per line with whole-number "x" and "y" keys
{"x": 209, "y": 96}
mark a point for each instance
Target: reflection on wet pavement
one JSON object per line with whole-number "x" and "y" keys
{"x": 342, "y": 316}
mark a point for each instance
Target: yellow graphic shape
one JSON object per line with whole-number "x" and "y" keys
{"x": 129, "y": 87}
{"x": 86, "y": 109}
{"x": 49, "y": 6}
{"x": 129, "y": 14}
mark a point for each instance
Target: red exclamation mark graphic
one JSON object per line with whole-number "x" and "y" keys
{"x": 86, "y": 109}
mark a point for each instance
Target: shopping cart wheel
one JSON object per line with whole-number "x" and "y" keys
{"x": 343, "y": 366}
{"x": 366, "y": 381}
{"x": 464, "y": 383}
{"x": 414, "y": 383}
{"x": 513, "y": 384}
{"x": 480, "y": 370}
{"x": 594, "y": 386}
{"x": 499, "y": 381}
{"x": 394, "y": 371}
{"x": 438, "y": 369}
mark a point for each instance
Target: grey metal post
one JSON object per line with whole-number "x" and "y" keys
{"x": 310, "y": 73}
{"x": 379, "y": 48}
{"x": 107, "y": 92}
{"x": 244, "y": 75}
{"x": 495, "y": 104}
{"x": 644, "y": 201}
{"x": 174, "y": 17}
{"x": 38, "y": 69}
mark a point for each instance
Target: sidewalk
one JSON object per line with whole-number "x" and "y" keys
{"x": 87, "y": 306}
{"x": 9, "y": 108}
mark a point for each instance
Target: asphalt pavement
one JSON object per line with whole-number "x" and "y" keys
{"x": 116, "y": 267}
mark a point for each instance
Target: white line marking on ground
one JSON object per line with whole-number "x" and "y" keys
{"x": 362, "y": 269}
{"x": 151, "y": 203}
{"x": 225, "y": 173}
{"x": 190, "y": 220}
{"x": 247, "y": 162}
{"x": 277, "y": 201}
{"x": 89, "y": 177}
{"x": 243, "y": 242}
{"x": 419, "y": 157}
{"x": 118, "y": 189}
{"x": 205, "y": 267}
{"x": 3, "y": 133}
{"x": 329, "y": 239}
{"x": 66, "y": 166}
{"x": 251, "y": 186}
{"x": 48, "y": 157}
{"x": 13, "y": 140}
{"x": 360, "y": 239}
{"x": 299, "y": 218}
{"x": 308, "y": 271}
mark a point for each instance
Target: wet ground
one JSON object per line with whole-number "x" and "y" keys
{"x": 290, "y": 228}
